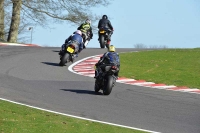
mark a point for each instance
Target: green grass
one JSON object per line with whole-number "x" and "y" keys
{"x": 21, "y": 119}
{"x": 179, "y": 67}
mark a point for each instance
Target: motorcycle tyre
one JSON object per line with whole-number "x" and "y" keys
{"x": 108, "y": 85}
{"x": 102, "y": 41}
{"x": 64, "y": 59}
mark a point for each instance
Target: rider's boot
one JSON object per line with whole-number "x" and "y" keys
{"x": 75, "y": 56}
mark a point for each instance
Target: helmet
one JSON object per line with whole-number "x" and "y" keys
{"x": 104, "y": 17}
{"x": 111, "y": 48}
{"x": 79, "y": 32}
{"x": 88, "y": 21}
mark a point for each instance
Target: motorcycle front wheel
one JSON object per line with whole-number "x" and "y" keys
{"x": 64, "y": 59}
{"x": 108, "y": 85}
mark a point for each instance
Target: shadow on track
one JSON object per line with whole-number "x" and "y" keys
{"x": 51, "y": 64}
{"x": 83, "y": 91}
{"x": 56, "y": 51}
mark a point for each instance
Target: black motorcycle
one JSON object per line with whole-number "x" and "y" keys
{"x": 106, "y": 79}
{"x": 68, "y": 53}
{"x": 103, "y": 37}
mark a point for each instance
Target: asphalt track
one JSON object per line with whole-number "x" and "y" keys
{"x": 31, "y": 75}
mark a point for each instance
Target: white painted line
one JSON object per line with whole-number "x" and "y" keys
{"x": 90, "y": 75}
{"x": 14, "y": 44}
{"x": 141, "y": 84}
{"x": 134, "y": 83}
{"x": 78, "y": 116}
{"x": 159, "y": 87}
{"x": 125, "y": 80}
{"x": 166, "y": 87}
{"x": 188, "y": 90}
{"x": 86, "y": 72}
{"x": 193, "y": 92}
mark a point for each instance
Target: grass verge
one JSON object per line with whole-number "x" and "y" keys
{"x": 21, "y": 119}
{"x": 179, "y": 67}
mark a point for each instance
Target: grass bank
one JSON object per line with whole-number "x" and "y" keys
{"x": 179, "y": 67}
{"x": 21, "y": 119}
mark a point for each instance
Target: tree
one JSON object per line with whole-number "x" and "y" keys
{"x": 15, "y": 21}
{"x": 45, "y": 12}
{"x": 2, "y": 36}
{"x": 140, "y": 45}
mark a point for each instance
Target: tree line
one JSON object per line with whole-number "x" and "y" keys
{"x": 16, "y": 15}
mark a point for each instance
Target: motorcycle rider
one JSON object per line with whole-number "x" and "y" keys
{"x": 108, "y": 58}
{"x": 104, "y": 22}
{"x": 86, "y": 29}
{"x": 75, "y": 37}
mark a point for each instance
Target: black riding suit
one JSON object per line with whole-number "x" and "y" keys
{"x": 108, "y": 58}
{"x": 107, "y": 24}
{"x": 73, "y": 38}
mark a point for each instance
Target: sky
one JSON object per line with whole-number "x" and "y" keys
{"x": 153, "y": 23}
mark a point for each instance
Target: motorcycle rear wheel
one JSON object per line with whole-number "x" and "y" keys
{"x": 64, "y": 59}
{"x": 108, "y": 85}
{"x": 102, "y": 41}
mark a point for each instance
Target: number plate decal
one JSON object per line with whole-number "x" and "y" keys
{"x": 102, "y": 31}
{"x": 70, "y": 50}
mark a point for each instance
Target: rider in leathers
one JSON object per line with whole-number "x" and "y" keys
{"x": 104, "y": 22}
{"x": 110, "y": 57}
{"x": 75, "y": 37}
{"x": 86, "y": 29}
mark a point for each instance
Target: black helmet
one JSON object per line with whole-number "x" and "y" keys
{"x": 105, "y": 17}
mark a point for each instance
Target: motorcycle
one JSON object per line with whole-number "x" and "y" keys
{"x": 68, "y": 53}
{"x": 106, "y": 80}
{"x": 103, "y": 37}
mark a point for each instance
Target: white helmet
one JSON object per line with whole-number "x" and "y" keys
{"x": 88, "y": 21}
{"x": 79, "y": 32}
